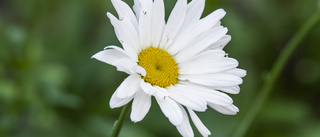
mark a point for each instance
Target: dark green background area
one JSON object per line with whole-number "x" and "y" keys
{"x": 50, "y": 86}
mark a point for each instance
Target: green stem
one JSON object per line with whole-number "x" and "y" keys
{"x": 275, "y": 72}
{"x": 118, "y": 124}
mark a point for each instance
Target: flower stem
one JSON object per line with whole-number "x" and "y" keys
{"x": 118, "y": 124}
{"x": 275, "y": 72}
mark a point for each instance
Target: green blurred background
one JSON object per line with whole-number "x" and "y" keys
{"x": 49, "y": 86}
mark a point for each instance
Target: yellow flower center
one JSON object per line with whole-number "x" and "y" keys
{"x": 161, "y": 68}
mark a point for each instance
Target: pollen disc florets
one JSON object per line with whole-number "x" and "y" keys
{"x": 161, "y": 68}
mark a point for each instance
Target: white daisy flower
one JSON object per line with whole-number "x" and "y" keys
{"x": 179, "y": 62}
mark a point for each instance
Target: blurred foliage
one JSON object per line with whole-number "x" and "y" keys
{"x": 50, "y": 87}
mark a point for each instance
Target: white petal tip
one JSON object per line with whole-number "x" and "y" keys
{"x": 141, "y": 71}
{"x": 95, "y": 56}
{"x": 112, "y": 106}
{"x": 133, "y": 119}
{"x": 244, "y": 73}
{"x": 225, "y": 29}
{"x": 221, "y": 10}
{"x": 228, "y": 37}
{"x": 109, "y": 15}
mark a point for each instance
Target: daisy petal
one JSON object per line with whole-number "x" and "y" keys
{"x": 174, "y": 23}
{"x": 220, "y": 44}
{"x": 201, "y": 42}
{"x": 136, "y": 8}
{"x": 185, "y": 128}
{"x": 140, "y": 106}
{"x": 237, "y": 72}
{"x": 205, "y": 93}
{"x": 194, "y": 11}
{"x": 207, "y": 55}
{"x": 110, "y": 54}
{"x": 125, "y": 65}
{"x": 211, "y": 20}
{"x": 145, "y": 21}
{"x": 140, "y": 70}
{"x": 124, "y": 11}
{"x": 154, "y": 91}
{"x": 158, "y": 22}
{"x": 213, "y": 80}
{"x": 129, "y": 86}
{"x": 185, "y": 34}
{"x": 116, "y": 102}
{"x": 115, "y": 56}
{"x": 147, "y": 87}
{"x": 171, "y": 110}
{"x": 192, "y": 31}
{"x": 231, "y": 90}
{"x": 187, "y": 97}
{"x": 127, "y": 35}
{"x": 227, "y": 110}
{"x": 203, "y": 66}
{"x": 197, "y": 122}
